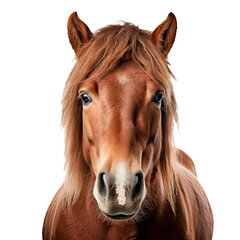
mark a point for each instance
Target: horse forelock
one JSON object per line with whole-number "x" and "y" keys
{"x": 106, "y": 50}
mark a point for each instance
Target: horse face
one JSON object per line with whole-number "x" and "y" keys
{"x": 121, "y": 123}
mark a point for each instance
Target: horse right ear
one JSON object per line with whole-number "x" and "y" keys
{"x": 78, "y": 32}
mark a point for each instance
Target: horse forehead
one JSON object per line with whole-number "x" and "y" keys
{"x": 128, "y": 79}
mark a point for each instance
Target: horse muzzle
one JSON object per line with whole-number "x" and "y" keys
{"x": 120, "y": 196}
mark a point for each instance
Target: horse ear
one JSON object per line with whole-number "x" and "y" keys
{"x": 164, "y": 35}
{"x": 78, "y": 32}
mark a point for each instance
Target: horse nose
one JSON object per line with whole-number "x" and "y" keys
{"x": 133, "y": 186}
{"x": 139, "y": 186}
{"x": 102, "y": 185}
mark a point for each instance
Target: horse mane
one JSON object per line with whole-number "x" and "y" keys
{"x": 107, "y": 49}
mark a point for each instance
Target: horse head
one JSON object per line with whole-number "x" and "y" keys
{"x": 118, "y": 112}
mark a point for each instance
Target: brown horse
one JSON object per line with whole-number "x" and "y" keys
{"x": 124, "y": 177}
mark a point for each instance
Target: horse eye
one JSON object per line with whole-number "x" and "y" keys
{"x": 86, "y": 99}
{"x": 157, "y": 98}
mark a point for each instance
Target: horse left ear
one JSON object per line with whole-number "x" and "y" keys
{"x": 78, "y": 32}
{"x": 164, "y": 35}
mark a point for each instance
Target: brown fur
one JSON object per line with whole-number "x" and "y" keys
{"x": 176, "y": 206}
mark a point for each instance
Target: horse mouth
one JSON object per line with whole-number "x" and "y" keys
{"x": 119, "y": 216}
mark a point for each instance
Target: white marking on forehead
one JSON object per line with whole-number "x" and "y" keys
{"x": 122, "y": 80}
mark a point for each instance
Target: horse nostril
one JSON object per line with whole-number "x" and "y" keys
{"x": 102, "y": 184}
{"x": 138, "y": 189}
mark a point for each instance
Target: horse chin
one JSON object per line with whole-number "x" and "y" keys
{"x": 120, "y": 217}
{"x": 117, "y": 213}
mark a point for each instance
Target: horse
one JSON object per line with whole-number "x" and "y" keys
{"x": 125, "y": 179}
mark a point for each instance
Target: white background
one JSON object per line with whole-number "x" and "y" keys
{"x": 35, "y": 61}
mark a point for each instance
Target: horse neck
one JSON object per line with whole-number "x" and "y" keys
{"x": 156, "y": 197}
